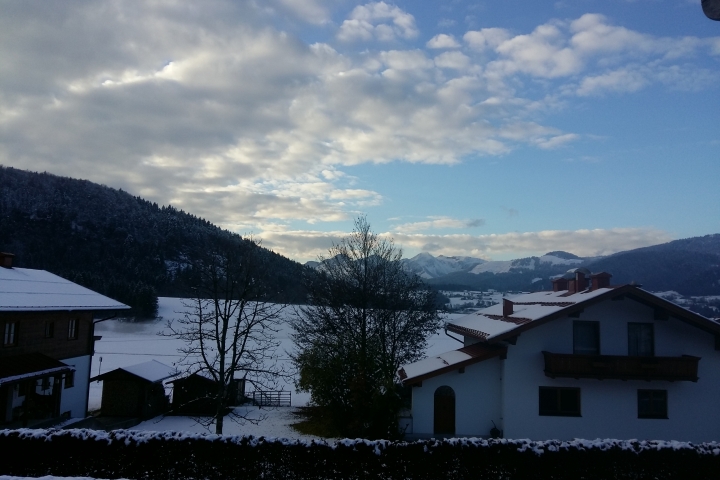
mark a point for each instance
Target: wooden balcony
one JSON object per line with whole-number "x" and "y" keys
{"x": 621, "y": 367}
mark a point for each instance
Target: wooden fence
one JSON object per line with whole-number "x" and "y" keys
{"x": 269, "y": 398}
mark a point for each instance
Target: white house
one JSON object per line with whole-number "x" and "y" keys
{"x": 47, "y": 344}
{"x": 587, "y": 360}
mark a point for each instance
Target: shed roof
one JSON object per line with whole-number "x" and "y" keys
{"x": 152, "y": 371}
{"x": 28, "y": 290}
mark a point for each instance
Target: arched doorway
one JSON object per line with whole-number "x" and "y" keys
{"x": 444, "y": 411}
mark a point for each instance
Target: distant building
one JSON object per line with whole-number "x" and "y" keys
{"x": 586, "y": 360}
{"x": 47, "y": 343}
{"x": 135, "y": 391}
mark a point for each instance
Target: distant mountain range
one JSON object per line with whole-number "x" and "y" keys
{"x": 689, "y": 266}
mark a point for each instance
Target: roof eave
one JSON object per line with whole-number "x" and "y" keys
{"x": 498, "y": 352}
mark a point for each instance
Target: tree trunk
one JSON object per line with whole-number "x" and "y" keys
{"x": 219, "y": 419}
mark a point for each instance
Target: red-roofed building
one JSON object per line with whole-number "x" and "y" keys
{"x": 586, "y": 360}
{"x": 47, "y": 329}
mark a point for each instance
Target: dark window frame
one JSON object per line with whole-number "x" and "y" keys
{"x": 635, "y": 347}
{"x": 562, "y": 405}
{"x": 10, "y": 333}
{"x": 577, "y": 335}
{"x": 69, "y": 379}
{"x": 49, "y": 329}
{"x": 73, "y": 327}
{"x": 652, "y": 404}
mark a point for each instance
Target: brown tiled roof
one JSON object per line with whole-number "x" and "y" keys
{"x": 515, "y": 320}
{"x": 467, "y": 331}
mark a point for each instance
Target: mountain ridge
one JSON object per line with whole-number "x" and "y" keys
{"x": 113, "y": 242}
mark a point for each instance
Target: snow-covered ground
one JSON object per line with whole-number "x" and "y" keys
{"x": 124, "y": 344}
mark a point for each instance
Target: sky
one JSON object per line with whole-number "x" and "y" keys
{"x": 491, "y": 129}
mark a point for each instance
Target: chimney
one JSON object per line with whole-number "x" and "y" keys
{"x": 507, "y": 307}
{"x": 560, "y": 284}
{"x": 6, "y": 259}
{"x": 572, "y": 284}
{"x": 580, "y": 281}
{"x": 600, "y": 280}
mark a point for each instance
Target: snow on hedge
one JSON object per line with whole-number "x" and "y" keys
{"x": 538, "y": 447}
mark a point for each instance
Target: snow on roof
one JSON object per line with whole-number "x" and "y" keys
{"x": 490, "y": 322}
{"x": 24, "y": 289}
{"x": 152, "y": 371}
{"x": 432, "y": 366}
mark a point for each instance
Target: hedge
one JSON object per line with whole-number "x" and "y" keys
{"x": 172, "y": 455}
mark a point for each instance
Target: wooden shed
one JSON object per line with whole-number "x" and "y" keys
{"x": 194, "y": 394}
{"x": 135, "y": 391}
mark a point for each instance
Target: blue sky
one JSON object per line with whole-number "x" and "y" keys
{"x": 491, "y": 129}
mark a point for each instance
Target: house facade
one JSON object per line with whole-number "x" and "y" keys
{"x": 587, "y": 360}
{"x": 47, "y": 331}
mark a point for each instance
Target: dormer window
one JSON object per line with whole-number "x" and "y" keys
{"x": 586, "y": 338}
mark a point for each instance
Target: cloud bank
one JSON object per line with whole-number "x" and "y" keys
{"x": 216, "y": 110}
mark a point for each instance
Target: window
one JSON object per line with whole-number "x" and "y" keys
{"x": 586, "y": 338}
{"x": 641, "y": 340}
{"x": 45, "y": 383}
{"x": 69, "y": 379}
{"x": 49, "y": 329}
{"x": 560, "y": 402}
{"x": 73, "y": 329}
{"x": 652, "y": 404}
{"x": 10, "y": 334}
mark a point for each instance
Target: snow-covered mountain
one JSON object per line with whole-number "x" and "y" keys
{"x": 529, "y": 263}
{"x": 429, "y": 266}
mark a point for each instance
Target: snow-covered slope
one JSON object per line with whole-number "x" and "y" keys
{"x": 428, "y": 266}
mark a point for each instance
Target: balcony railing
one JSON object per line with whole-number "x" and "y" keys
{"x": 621, "y": 367}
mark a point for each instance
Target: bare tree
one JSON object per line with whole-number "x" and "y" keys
{"x": 229, "y": 329}
{"x": 367, "y": 315}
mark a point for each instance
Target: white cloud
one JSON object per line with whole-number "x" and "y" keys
{"x": 311, "y": 11}
{"x": 220, "y": 113}
{"x": 623, "y": 80}
{"x": 443, "y": 40}
{"x": 455, "y": 60}
{"x": 509, "y": 245}
{"x": 486, "y": 38}
{"x": 435, "y": 223}
{"x": 557, "y": 141}
{"x": 378, "y": 21}
{"x": 307, "y": 245}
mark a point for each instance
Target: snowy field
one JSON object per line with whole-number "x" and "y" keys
{"x": 125, "y": 343}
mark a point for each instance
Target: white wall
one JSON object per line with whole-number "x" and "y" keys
{"x": 609, "y": 407}
{"x": 74, "y": 399}
{"x": 477, "y": 399}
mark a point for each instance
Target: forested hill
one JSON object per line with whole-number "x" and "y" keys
{"x": 112, "y": 242}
